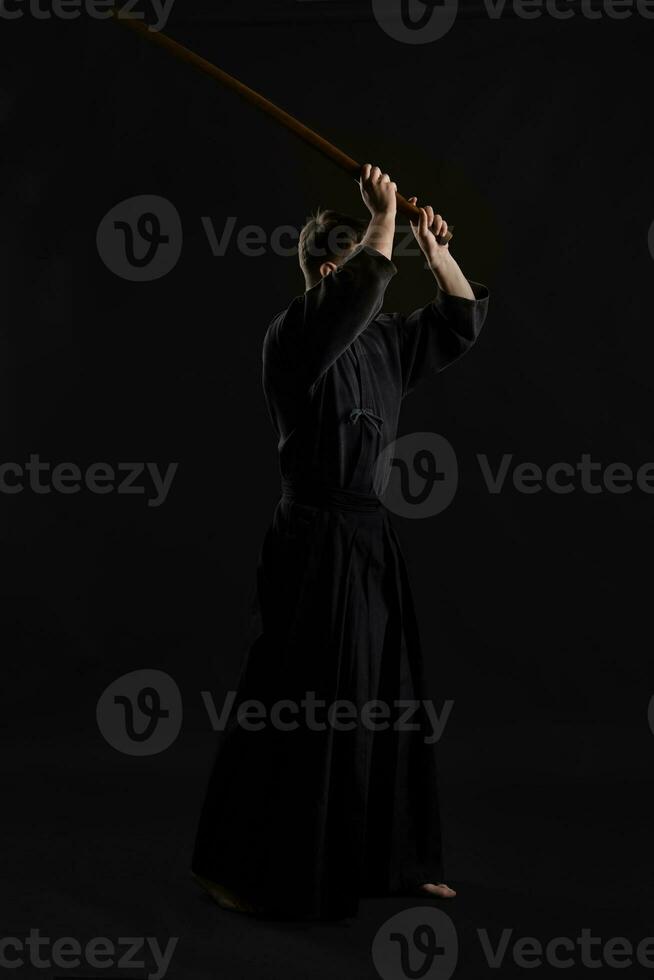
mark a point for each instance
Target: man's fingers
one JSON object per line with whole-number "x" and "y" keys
{"x": 425, "y": 221}
{"x": 371, "y": 174}
{"x": 428, "y": 220}
{"x": 442, "y": 226}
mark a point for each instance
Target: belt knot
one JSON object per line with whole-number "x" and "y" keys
{"x": 366, "y": 413}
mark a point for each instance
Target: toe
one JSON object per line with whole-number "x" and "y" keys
{"x": 439, "y": 890}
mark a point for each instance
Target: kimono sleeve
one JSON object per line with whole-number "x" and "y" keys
{"x": 322, "y": 324}
{"x": 432, "y": 338}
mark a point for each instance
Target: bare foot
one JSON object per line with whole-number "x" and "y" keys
{"x": 438, "y": 891}
{"x": 223, "y": 897}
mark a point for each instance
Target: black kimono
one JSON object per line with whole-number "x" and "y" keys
{"x": 303, "y": 817}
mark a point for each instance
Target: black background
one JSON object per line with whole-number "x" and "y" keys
{"x": 534, "y": 138}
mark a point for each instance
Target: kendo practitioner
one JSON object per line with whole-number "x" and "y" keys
{"x": 307, "y": 812}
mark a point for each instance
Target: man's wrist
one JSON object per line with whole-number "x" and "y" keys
{"x": 439, "y": 261}
{"x": 384, "y": 219}
{"x": 381, "y": 233}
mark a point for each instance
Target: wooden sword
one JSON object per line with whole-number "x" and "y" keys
{"x": 318, "y": 142}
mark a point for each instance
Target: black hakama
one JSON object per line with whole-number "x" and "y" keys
{"x": 311, "y": 811}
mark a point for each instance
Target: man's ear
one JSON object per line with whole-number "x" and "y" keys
{"x": 326, "y": 268}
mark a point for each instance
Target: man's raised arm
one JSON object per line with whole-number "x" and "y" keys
{"x": 380, "y": 196}
{"x": 347, "y": 297}
{"x": 442, "y": 263}
{"x": 435, "y": 336}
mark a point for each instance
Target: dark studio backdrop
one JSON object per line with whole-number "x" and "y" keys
{"x": 532, "y": 136}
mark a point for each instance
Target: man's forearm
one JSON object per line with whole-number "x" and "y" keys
{"x": 450, "y": 277}
{"x": 381, "y": 234}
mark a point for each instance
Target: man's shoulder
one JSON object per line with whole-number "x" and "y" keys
{"x": 279, "y": 326}
{"x": 387, "y": 321}
{"x": 287, "y": 312}
{"x": 279, "y": 318}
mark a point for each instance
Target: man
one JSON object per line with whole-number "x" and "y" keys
{"x": 329, "y": 797}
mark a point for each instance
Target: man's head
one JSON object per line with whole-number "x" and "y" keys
{"x": 326, "y": 241}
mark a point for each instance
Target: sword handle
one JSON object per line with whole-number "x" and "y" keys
{"x": 412, "y": 212}
{"x": 403, "y": 206}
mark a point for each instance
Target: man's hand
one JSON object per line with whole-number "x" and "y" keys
{"x": 427, "y": 230}
{"x": 380, "y": 195}
{"x": 441, "y": 261}
{"x": 378, "y": 191}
